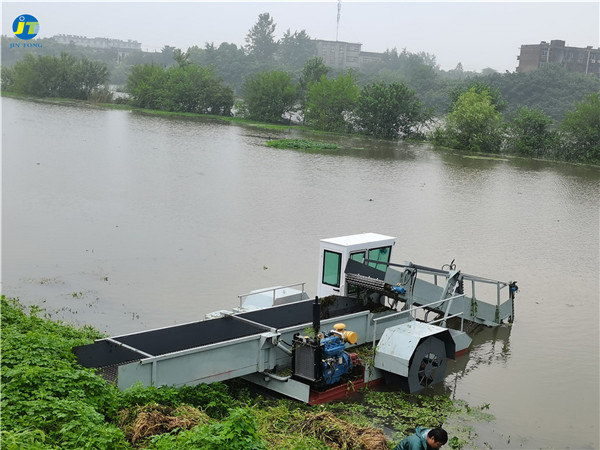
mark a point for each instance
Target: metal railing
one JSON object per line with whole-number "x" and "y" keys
{"x": 273, "y": 290}
{"x": 412, "y": 311}
{"x": 445, "y": 274}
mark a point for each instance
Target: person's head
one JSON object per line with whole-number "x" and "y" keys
{"x": 436, "y": 437}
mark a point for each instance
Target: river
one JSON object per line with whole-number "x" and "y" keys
{"x": 129, "y": 222}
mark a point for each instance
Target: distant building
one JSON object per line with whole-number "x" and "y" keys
{"x": 345, "y": 55}
{"x": 574, "y": 59}
{"x": 101, "y": 43}
{"x": 369, "y": 58}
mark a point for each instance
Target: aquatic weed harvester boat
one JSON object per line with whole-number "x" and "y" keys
{"x": 410, "y": 318}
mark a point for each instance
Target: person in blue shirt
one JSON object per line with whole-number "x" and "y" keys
{"x": 424, "y": 439}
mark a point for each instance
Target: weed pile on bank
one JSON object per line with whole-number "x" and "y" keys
{"x": 48, "y": 401}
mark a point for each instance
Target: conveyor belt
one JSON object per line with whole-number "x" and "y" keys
{"x": 136, "y": 346}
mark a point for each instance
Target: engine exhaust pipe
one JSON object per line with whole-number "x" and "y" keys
{"x": 316, "y": 313}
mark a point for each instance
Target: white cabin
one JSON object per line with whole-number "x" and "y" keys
{"x": 335, "y": 253}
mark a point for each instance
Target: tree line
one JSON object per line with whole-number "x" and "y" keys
{"x": 476, "y": 119}
{"x": 476, "y": 123}
{"x": 539, "y": 114}
{"x": 552, "y": 91}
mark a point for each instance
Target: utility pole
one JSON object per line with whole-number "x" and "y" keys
{"x": 338, "y": 19}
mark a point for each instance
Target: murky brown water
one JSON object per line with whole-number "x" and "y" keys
{"x": 130, "y": 222}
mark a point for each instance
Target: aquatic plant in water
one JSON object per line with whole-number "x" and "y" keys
{"x": 301, "y": 144}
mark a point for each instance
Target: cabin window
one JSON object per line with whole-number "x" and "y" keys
{"x": 332, "y": 266}
{"x": 380, "y": 254}
{"x": 359, "y": 257}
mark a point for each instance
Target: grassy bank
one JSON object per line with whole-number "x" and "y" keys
{"x": 50, "y": 402}
{"x": 151, "y": 112}
{"x": 296, "y": 144}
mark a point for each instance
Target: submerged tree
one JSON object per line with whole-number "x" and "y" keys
{"x": 145, "y": 84}
{"x": 329, "y": 102}
{"x": 269, "y": 95}
{"x": 530, "y": 133}
{"x": 474, "y": 124}
{"x": 389, "y": 110}
{"x": 581, "y": 130}
{"x": 186, "y": 88}
{"x": 64, "y": 76}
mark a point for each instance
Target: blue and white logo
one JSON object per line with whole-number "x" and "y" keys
{"x": 26, "y": 27}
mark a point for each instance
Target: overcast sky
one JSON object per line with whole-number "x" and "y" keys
{"x": 476, "y": 34}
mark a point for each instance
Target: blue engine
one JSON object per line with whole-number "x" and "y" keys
{"x": 323, "y": 361}
{"x": 336, "y": 362}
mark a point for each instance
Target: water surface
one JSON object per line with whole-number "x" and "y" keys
{"x": 130, "y": 222}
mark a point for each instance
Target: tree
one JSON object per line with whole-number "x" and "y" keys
{"x": 488, "y": 71}
{"x": 581, "y": 129}
{"x": 187, "y": 88}
{"x": 93, "y": 74}
{"x": 64, "y": 76}
{"x": 480, "y": 87}
{"x": 145, "y": 86}
{"x": 181, "y": 58}
{"x": 229, "y": 61}
{"x": 389, "y": 110}
{"x": 269, "y": 95}
{"x": 402, "y": 61}
{"x": 329, "y": 102}
{"x": 421, "y": 70}
{"x": 295, "y": 49}
{"x": 530, "y": 133}
{"x": 474, "y": 124}
{"x": 7, "y": 78}
{"x": 260, "y": 40}
{"x": 551, "y": 89}
{"x": 313, "y": 70}
{"x": 416, "y": 70}
{"x": 165, "y": 58}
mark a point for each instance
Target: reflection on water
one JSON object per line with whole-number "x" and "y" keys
{"x": 490, "y": 346}
{"x": 130, "y": 222}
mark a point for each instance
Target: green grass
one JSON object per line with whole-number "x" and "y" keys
{"x": 301, "y": 144}
{"x": 50, "y": 402}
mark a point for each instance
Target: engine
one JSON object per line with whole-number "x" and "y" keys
{"x": 323, "y": 361}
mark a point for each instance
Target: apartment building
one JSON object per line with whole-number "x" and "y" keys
{"x": 345, "y": 55}
{"x": 574, "y": 59}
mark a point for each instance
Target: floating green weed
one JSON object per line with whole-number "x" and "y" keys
{"x": 402, "y": 412}
{"x": 301, "y": 144}
{"x": 491, "y": 158}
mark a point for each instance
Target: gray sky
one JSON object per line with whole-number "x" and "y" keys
{"x": 477, "y": 34}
